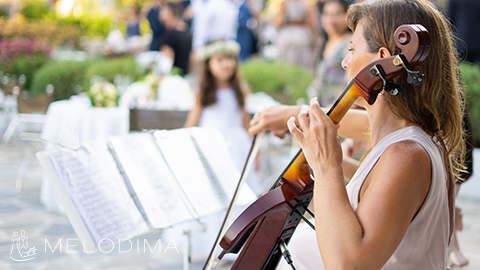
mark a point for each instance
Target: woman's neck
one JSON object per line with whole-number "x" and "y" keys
{"x": 383, "y": 121}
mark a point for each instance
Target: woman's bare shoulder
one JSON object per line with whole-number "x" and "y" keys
{"x": 405, "y": 162}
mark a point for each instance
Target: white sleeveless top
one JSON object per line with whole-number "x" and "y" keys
{"x": 425, "y": 243}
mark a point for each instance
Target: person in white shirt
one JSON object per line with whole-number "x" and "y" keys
{"x": 214, "y": 20}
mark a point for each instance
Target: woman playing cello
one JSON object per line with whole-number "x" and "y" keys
{"x": 396, "y": 211}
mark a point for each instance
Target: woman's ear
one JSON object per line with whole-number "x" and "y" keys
{"x": 384, "y": 52}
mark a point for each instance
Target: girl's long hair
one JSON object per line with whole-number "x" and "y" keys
{"x": 207, "y": 92}
{"x": 437, "y": 104}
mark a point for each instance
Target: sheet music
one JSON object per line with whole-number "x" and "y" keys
{"x": 151, "y": 179}
{"x": 215, "y": 150}
{"x": 182, "y": 157}
{"x": 91, "y": 178}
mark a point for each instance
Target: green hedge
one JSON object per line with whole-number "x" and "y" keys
{"x": 66, "y": 75}
{"x": 63, "y": 75}
{"x": 109, "y": 67}
{"x": 277, "y": 79}
{"x": 471, "y": 79}
{"x": 27, "y": 65}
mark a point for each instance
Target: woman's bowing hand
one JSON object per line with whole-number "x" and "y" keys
{"x": 274, "y": 118}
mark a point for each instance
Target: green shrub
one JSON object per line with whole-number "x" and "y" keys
{"x": 108, "y": 68}
{"x": 63, "y": 75}
{"x": 93, "y": 26}
{"x": 3, "y": 13}
{"x": 36, "y": 10}
{"x": 471, "y": 79}
{"x": 45, "y": 30}
{"x": 277, "y": 79}
{"x": 24, "y": 64}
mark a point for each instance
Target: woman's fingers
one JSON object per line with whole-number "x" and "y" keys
{"x": 296, "y": 132}
{"x": 304, "y": 120}
{"x": 317, "y": 111}
{"x": 256, "y": 126}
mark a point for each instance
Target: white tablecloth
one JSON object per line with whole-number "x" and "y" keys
{"x": 74, "y": 121}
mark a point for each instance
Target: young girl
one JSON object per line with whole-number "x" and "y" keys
{"x": 221, "y": 99}
{"x": 221, "y": 105}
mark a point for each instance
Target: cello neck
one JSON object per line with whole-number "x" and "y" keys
{"x": 297, "y": 172}
{"x": 344, "y": 102}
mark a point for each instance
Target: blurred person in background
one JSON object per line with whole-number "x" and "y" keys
{"x": 245, "y": 35}
{"x": 133, "y": 21}
{"x": 214, "y": 20}
{"x": 221, "y": 105}
{"x": 330, "y": 76}
{"x": 158, "y": 29}
{"x": 297, "y": 24}
{"x": 221, "y": 97}
{"x": 465, "y": 17}
{"x": 455, "y": 256}
{"x": 178, "y": 40}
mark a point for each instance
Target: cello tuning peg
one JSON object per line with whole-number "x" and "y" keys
{"x": 388, "y": 85}
{"x": 415, "y": 78}
{"x": 392, "y": 88}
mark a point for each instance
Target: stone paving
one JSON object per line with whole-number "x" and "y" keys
{"x": 25, "y": 212}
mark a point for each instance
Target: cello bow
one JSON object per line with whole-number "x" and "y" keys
{"x": 271, "y": 221}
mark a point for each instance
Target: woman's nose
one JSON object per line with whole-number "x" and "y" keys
{"x": 345, "y": 63}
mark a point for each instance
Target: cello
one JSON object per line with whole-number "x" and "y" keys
{"x": 262, "y": 232}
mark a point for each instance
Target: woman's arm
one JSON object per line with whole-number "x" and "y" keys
{"x": 392, "y": 194}
{"x": 355, "y": 123}
{"x": 194, "y": 116}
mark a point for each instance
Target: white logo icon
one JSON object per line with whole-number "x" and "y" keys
{"x": 20, "y": 251}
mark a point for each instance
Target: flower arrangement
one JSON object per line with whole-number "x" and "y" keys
{"x": 103, "y": 95}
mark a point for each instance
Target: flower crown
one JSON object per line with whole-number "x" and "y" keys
{"x": 218, "y": 47}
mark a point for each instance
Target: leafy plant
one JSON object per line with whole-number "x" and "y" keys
{"x": 65, "y": 76}
{"x": 3, "y": 13}
{"x": 45, "y": 30}
{"x": 36, "y": 10}
{"x": 277, "y": 79}
{"x": 92, "y": 25}
{"x": 27, "y": 65}
{"x": 109, "y": 67}
{"x": 470, "y": 74}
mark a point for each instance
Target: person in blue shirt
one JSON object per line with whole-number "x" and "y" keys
{"x": 158, "y": 28}
{"x": 244, "y": 34}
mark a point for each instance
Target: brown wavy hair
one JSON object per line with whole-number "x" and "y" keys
{"x": 437, "y": 105}
{"x": 207, "y": 92}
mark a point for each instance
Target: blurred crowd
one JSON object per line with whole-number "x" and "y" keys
{"x": 312, "y": 34}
